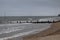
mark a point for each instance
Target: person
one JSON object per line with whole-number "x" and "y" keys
{"x": 17, "y": 21}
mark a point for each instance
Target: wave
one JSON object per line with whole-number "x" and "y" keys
{"x": 22, "y": 30}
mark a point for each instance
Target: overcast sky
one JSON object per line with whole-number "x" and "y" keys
{"x": 29, "y": 7}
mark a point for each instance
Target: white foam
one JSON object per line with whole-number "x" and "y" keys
{"x": 43, "y": 27}
{"x": 49, "y": 19}
{"x": 14, "y": 24}
{"x": 12, "y": 27}
{"x": 25, "y": 33}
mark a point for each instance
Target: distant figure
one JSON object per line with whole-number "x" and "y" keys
{"x": 20, "y": 21}
{"x": 17, "y": 21}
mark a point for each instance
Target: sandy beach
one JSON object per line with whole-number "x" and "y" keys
{"x": 52, "y": 33}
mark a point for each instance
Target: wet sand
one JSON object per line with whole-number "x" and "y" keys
{"x": 52, "y": 33}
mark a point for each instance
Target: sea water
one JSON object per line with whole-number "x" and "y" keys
{"x": 15, "y": 31}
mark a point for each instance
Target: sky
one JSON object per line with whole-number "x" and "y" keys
{"x": 29, "y": 7}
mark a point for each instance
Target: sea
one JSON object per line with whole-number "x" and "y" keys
{"x": 14, "y": 18}
{"x": 18, "y": 30}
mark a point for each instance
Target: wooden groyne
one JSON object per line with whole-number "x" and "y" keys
{"x": 30, "y": 21}
{"x": 33, "y": 21}
{"x": 46, "y": 22}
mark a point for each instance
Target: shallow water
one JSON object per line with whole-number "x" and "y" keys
{"x": 15, "y": 30}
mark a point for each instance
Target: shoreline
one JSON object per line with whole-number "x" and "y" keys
{"x": 52, "y": 31}
{"x": 55, "y": 27}
{"x": 35, "y": 26}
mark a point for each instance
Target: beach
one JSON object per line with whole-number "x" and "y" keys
{"x": 52, "y": 33}
{"x": 32, "y": 32}
{"x": 18, "y": 31}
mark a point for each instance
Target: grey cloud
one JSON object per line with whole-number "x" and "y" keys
{"x": 29, "y": 7}
{"x": 49, "y": 3}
